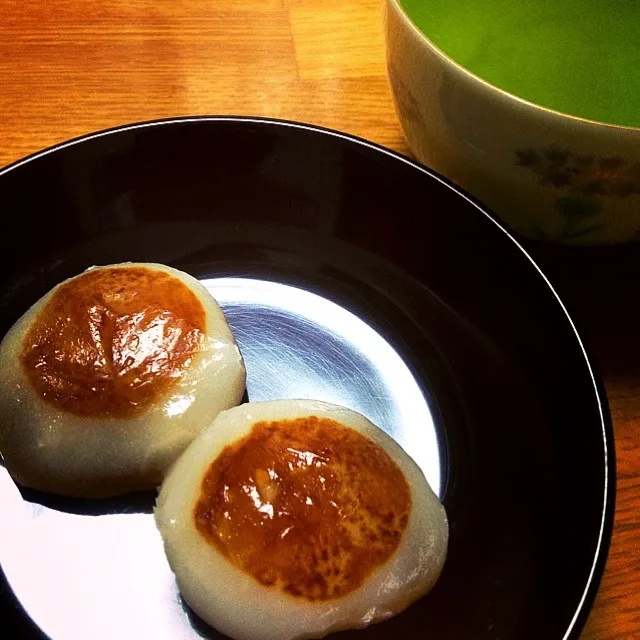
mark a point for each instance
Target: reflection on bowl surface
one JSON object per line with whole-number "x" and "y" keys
{"x": 297, "y": 344}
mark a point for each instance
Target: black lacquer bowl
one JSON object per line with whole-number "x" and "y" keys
{"x": 348, "y": 274}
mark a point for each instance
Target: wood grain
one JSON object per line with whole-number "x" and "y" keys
{"x": 71, "y": 67}
{"x": 616, "y": 612}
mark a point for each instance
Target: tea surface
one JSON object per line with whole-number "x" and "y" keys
{"x": 574, "y": 56}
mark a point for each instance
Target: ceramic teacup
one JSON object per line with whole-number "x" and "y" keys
{"x": 547, "y": 175}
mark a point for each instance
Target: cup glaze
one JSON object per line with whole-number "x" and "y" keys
{"x": 547, "y": 175}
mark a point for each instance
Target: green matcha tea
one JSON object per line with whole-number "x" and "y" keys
{"x": 575, "y": 56}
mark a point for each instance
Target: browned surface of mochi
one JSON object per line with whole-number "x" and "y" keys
{"x": 307, "y": 506}
{"x": 113, "y": 340}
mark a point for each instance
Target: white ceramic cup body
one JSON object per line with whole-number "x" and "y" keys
{"x": 547, "y": 175}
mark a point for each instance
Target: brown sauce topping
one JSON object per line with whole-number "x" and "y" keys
{"x": 112, "y": 340}
{"x": 307, "y": 506}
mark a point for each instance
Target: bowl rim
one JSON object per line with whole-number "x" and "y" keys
{"x": 371, "y": 148}
{"x": 494, "y": 89}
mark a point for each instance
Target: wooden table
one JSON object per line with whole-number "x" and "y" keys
{"x": 72, "y": 66}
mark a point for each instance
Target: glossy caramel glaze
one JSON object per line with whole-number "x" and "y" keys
{"x": 306, "y": 506}
{"x": 111, "y": 341}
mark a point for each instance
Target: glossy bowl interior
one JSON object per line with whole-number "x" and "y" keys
{"x": 348, "y": 274}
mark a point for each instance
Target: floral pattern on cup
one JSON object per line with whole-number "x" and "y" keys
{"x": 586, "y": 181}
{"x": 583, "y": 174}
